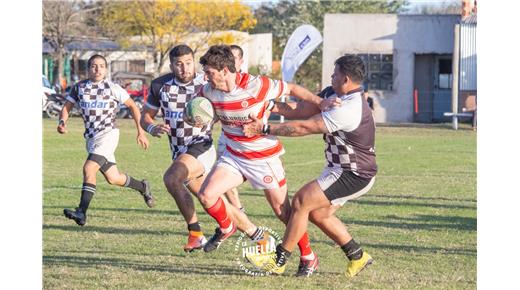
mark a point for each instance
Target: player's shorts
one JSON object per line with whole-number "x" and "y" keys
{"x": 203, "y": 152}
{"x": 341, "y": 185}
{"x": 262, "y": 173}
{"x": 221, "y": 148}
{"x": 104, "y": 144}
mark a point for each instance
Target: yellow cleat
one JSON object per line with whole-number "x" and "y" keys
{"x": 355, "y": 266}
{"x": 258, "y": 260}
{"x": 272, "y": 267}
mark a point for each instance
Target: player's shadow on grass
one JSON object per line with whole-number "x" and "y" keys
{"x": 419, "y": 249}
{"x": 111, "y": 230}
{"x": 413, "y": 204}
{"x": 143, "y": 210}
{"x": 90, "y": 262}
{"x": 420, "y": 222}
{"x": 421, "y": 197}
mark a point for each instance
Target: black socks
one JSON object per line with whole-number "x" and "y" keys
{"x": 352, "y": 250}
{"x": 87, "y": 192}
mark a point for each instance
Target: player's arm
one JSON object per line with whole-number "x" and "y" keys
{"x": 136, "y": 115}
{"x": 293, "y": 110}
{"x": 64, "y": 116}
{"x": 150, "y": 110}
{"x": 305, "y": 95}
{"x": 313, "y": 125}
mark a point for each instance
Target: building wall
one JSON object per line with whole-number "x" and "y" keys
{"x": 260, "y": 48}
{"x": 400, "y": 35}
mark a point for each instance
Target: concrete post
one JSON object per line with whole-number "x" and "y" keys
{"x": 455, "y": 79}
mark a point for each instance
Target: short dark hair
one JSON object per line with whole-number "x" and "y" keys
{"x": 240, "y": 51}
{"x": 89, "y": 62}
{"x": 219, "y": 57}
{"x": 180, "y": 50}
{"x": 352, "y": 66}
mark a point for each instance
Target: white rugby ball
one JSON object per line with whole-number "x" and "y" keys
{"x": 199, "y": 110}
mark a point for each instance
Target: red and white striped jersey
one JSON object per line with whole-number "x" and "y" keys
{"x": 233, "y": 109}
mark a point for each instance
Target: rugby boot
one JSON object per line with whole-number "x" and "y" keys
{"x": 195, "y": 242}
{"x": 217, "y": 239}
{"x": 307, "y": 267}
{"x": 147, "y": 194}
{"x": 356, "y": 266}
{"x": 77, "y": 215}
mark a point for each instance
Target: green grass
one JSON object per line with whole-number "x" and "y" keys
{"x": 418, "y": 221}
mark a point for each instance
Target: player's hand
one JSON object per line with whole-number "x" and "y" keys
{"x": 142, "y": 141}
{"x": 62, "y": 128}
{"x": 254, "y": 127}
{"x": 160, "y": 129}
{"x": 329, "y": 103}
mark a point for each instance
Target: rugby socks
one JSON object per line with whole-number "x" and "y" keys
{"x": 257, "y": 235}
{"x": 352, "y": 250}
{"x": 87, "y": 192}
{"x": 219, "y": 213}
{"x": 305, "y": 247}
{"x": 282, "y": 255}
{"x": 194, "y": 229}
{"x": 134, "y": 184}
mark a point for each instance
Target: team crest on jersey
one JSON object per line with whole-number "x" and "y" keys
{"x": 244, "y": 104}
{"x": 268, "y": 179}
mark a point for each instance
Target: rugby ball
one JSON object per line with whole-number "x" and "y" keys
{"x": 199, "y": 110}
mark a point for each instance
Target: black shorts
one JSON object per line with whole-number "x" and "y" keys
{"x": 341, "y": 185}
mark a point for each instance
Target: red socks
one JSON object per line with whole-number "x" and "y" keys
{"x": 219, "y": 213}
{"x": 304, "y": 245}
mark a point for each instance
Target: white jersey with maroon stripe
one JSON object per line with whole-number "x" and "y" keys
{"x": 233, "y": 109}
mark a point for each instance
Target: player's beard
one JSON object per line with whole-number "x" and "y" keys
{"x": 186, "y": 77}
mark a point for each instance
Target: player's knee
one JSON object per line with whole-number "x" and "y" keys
{"x": 172, "y": 180}
{"x": 206, "y": 198}
{"x": 316, "y": 217}
{"x": 298, "y": 202}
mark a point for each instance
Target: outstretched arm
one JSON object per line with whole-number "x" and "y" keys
{"x": 294, "y": 110}
{"x": 305, "y": 95}
{"x": 314, "y": 125}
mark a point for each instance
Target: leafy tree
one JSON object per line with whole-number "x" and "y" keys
{"x": 64, "y": 22}
{"x": 284, "y": 17}
{"x": 162, "y": 24}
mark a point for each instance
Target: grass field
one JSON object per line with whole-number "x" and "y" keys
{"x": 418, "y": 222}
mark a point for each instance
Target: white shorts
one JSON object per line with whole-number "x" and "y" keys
{"x": 208, "y": 159}
{"x": 221, "y": 148}
{"x": 262, "y": 174}
{"x": 104, "y": 144}
{"x": 341, "y": 185}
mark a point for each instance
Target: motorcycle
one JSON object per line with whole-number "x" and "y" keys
{"x": 52, "y": 105}
{"x": 124, "y": 111}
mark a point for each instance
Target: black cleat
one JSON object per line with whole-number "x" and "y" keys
{"x": 307, "y": 267}
{"x": 147, "y": 194}
{"x": 78, "y": 215}
{"x": 217, "y": 239}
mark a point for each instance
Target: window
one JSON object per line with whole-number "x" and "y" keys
{"x": 445, "y": 75}
{"x": 118, "y": 65}
{"x": 379, "y": 71}
{"x": 136, "y": 66}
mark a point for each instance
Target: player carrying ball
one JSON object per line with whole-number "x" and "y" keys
{"x": 234, "y": 97}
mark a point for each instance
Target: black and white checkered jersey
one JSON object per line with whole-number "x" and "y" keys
{"x": 98, "y": 103}
{"x": 171, "y": 96}
{"x": 350, "y": 141}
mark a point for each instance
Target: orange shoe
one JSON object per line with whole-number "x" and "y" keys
{"x": 196, "y": 241}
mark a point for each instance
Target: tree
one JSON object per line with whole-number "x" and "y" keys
{"x": 161, "y": 24}
{"x": 64, "y": 22}
{"x": 285, "y": 16}
{"x": 445, "y": 7}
